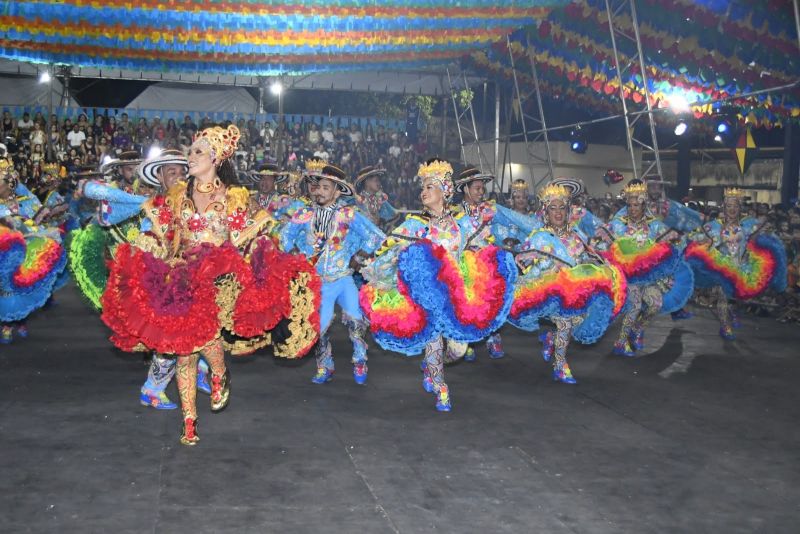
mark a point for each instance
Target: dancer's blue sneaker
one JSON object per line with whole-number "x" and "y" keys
{"x": 443, "y": 400}
{"x": 470, "y": 356}
{"x": 623, "y": 349}
{"x": 726, "y": 333}
{"x": 323, "y": 375}
{"x": 637, "y": 340}
{"x": 159, "y": 402}
{"x": 427, "y": 385}
{"x": 360, "y": 373}
{"x": 495, "y": 348}
{"x": 547, "y": 345}
{"x": 563, "y": 375}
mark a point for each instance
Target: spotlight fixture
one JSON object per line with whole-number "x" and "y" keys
{"x": 577, "y": 141}
{"x": 681, "y": 127}
{"x": 44, "y": 77}
{"x": 276, "y": 88}
{"x": 154, "y": 152}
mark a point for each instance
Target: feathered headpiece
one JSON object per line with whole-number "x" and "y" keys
{"x": 635, "y": 190}
{"x": 552, "y": 192}
{"x": 441, "y": 173}
{"x": 223, "y": 141}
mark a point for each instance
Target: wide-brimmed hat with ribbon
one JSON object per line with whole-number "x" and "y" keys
{"x": 318, "y": 169}
{"x": 368, "y": 172}
{"x": 148, "y": 170}
{"x": 269, "y": 169}
{"x": 469, "y": 175}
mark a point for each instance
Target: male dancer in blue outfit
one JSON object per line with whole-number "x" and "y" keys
{"x": 333, "y": 236}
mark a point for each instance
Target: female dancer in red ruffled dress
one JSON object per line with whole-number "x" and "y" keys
{"x": 184, "y": 281}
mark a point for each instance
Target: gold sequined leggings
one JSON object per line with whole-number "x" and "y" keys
{"x": 186, "y": 375}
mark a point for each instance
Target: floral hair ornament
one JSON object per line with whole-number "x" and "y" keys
{"x": 553, "y": 192}
{"x": 734, "y": 193}
{"x": 223, "y": 141}
{"x": 441, "y": 173}
{"x": 636, "y": 190}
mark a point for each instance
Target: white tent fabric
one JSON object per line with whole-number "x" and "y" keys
{"x": 181, "y": 96}
{"x": 431, "y": 81}
{"x": 28, "y": 92}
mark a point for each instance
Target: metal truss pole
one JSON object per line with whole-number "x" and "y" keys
{"x": 540, "y": 120}
{"x": 467, "y": 133}
{"x": 613, "y": 12}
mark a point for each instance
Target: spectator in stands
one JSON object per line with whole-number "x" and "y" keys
{"x": 8, "y": 123}
{"x": 121, "y": 140}
{"x": 99, "y": 126}
{"x": 127, "y": 127}
{"x": 188, "y": 128}
{"x": 56, "y": 138}
{"x": 37, "y": 135}
{"x": 296, "y": 135}
{"x": 76, "y": 137}
{"x": 355, "y": 134}
{"x": 172, "y": 130}
{"x": 328, "y": 137}
{"x": 142, "y": 136}
{"x": 253, "y": 133}
{"x": 313, "y": 137}
{"x": 395, "y": 151}
{"x": 25, "y": 124}
{"x": 322, "y": 153}
{"x": 158, "y": 132}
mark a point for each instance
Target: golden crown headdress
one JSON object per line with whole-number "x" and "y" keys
{"x": 519, "y": 185}
{"x": 223, "y": 141}
{"x": 315, "y": 165}
{"x": 435, "y": 169}
{"x": 5, "y": 165}
{"x": 635, "y": 190}
{"x": 51, "y": 168}
{"x": 552, "y": 192}
{"x": 734, "y": 192}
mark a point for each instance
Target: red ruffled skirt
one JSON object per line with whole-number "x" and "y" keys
{"x": 182, "y": 306}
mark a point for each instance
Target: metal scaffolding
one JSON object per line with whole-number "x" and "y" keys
{"x": 524, "y": 118}
{"x": 615, "y": 11}
{"x": 465, "y": 123}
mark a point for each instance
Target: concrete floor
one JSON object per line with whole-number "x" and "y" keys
{"x": 697, "y": 435}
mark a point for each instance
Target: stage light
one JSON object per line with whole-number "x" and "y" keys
{"x": 154, "y": 152}
{"x": 718, "y": 138}
{"x": 44, "y": 77}
{"x": 723, "y": 127}
{"x": 276, "y": 88}
{"x": 681, "y": 127}
{"x": 577, "y": 141}
{"x": 678, "y": 103}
